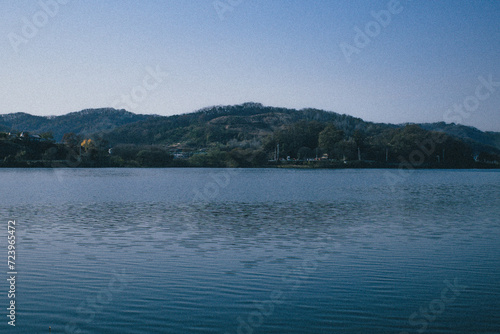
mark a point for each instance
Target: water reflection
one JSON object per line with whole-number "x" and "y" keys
{"x": 350, "y": 255}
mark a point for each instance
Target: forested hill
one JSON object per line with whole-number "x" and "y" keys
{"x": 249, "y": 134}
{"x": 255, "y": 122}
{"x": 84, "y": 123}
{"x": 222, "y": 124}
{"x": 467, "y": 133}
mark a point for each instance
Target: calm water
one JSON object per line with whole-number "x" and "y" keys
{"x": 252, "y": 251}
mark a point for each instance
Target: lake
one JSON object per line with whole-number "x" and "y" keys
{"x": 252, "y": 250}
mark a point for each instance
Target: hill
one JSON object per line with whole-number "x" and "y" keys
{"x": 83, "y": 122}
{"x": 484, "y": 140}
{"x": 250, "y": 134}
{"x": 221, "y": 124}
{"x": 253, "y": 121}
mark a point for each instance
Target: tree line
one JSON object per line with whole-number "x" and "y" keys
{"x": 304, "y": 142}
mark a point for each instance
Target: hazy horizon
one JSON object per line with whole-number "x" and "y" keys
{"x": 382, "y": 61}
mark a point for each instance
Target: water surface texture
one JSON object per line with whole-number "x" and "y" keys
{"x": 253, "y": 251}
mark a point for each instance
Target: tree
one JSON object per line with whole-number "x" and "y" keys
{"x": 88, "y": 144}
{"x": 346, "y": 149}
{"x": 329, "y": 137}
{"x": 50, "y": 154}
{"x": 305, "y": 153}
{"x": 72, "y": 140}
{"x": 295, "y": 136}
{"x": 359, "y": 138}
{"x": 154, "y": 158}
{"x": 47, "y": 136}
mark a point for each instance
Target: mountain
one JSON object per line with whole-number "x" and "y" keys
{"x": 249, "y": 134}
{"x": 83, "y": 122}
{"x": 253, "y": 120}
{"x": 468, "y": 133}
{"x": 248, "y": 121}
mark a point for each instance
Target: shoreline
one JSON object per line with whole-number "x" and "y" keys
{"x": 283, "y": 165}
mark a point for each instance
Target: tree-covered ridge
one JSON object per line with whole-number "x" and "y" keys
{"x": 481, "y": 140}
{"x": 221, "y": 124}
{"x": 251, "y": 135}
{"x": 85, "y": 122}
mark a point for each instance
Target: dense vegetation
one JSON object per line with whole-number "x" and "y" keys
{"x": 247, "y": 135}
{"x": 82, "y": 123}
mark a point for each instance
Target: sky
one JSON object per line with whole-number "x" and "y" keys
{"x": 382, "y": 61}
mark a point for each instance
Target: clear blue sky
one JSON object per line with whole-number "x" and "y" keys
{"x": 424, "y": 58}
